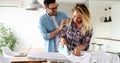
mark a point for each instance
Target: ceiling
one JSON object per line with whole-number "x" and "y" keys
{"x": 104, "y": 0}
{"x": 71, "y": 1}
{"x": 19, "y": 2}
{"x": 76, "y": 1}
{"x": 95, "y": 3}
{"x": 103, "y": 3}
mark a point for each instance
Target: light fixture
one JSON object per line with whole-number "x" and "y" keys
{"x": 34, "y": 5}
{"x": 107, "y": 17}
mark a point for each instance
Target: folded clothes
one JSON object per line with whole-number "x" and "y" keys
{"x": 20, "y": 55}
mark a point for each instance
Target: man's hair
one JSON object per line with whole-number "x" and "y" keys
{"x": 47, "y": 2}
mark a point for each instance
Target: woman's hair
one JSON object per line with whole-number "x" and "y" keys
{"x": 85, "y": 14}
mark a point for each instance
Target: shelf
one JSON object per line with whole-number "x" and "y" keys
{"x": 108, "y": 39}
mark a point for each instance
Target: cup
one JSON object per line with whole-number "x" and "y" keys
{"x": 93, "y": 46}
{"x": 100, "y": 47}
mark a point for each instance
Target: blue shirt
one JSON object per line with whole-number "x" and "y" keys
{"x": 47, "y": 26}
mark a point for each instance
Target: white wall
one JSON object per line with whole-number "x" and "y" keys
{"x": 66, "y": 7}
{"x": 116, "y": 21}
{"x": 102, "y": 29}
{"x": 24, "y": 23}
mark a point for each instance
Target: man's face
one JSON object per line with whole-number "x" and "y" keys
{"x": 52, "y": 9}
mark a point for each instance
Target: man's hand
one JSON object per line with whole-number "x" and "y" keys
{"x": 62, "y": 24}
{"x": 56, "y": 31}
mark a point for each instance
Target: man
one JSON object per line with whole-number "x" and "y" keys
{"x": 50, "y": 24}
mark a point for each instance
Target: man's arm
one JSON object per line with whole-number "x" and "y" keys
{"x": 57, "y": 30}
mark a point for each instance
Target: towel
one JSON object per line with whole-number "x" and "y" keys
{"x": 103, "y": 57}
{"x": 115, "y": 58}
{"x": 100, "y": 57}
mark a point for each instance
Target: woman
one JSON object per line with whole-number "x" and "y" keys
{"x": 77, "y": 32}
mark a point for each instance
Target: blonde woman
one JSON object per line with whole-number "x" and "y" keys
{"x": 77, "y": 32}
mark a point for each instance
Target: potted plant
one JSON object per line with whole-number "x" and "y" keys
{"x": 7, "y": 37}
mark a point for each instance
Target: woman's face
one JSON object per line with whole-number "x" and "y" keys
{"x": 76, "y": 17}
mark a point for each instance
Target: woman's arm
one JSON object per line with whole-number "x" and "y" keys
{"x": 63, "y": 41}
{"x": 77, "y": 50}
{"x": 85, "y": 43}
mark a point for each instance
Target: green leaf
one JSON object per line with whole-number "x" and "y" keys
{"x": 7, "y": 38}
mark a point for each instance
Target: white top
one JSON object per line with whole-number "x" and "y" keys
{"x": 55, "y": 22}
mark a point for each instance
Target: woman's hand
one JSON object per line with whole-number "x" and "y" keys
{"x": 76, "y": 51}
{"x": 63, "y": 41}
